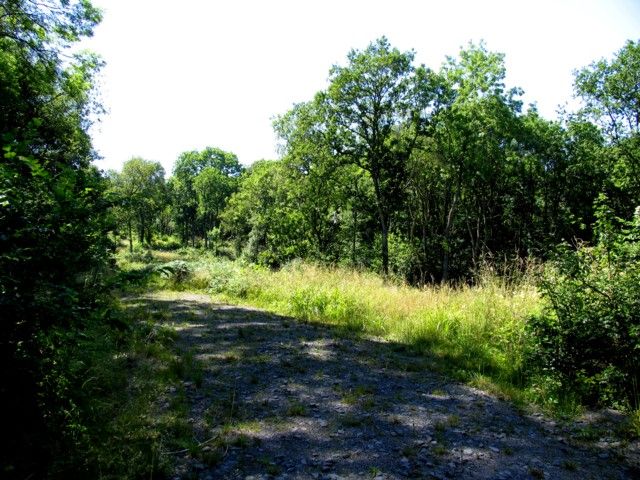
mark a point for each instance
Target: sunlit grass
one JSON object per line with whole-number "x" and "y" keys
{"x": 474, "y": 332}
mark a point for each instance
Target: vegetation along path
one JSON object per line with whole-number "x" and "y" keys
{"x": 276, "y": 398}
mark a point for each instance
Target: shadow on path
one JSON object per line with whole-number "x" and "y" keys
{"x": 303, "y": 401}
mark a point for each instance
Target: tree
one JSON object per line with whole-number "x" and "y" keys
{"x": 264, "y": 215}
{"x": 213, "y": 188}
{"x": 141, "y": 192}
{"x": 53, "y": 218}
{"x": 320, "y": 181}
{"x": 185, "y": 198}
{"x": 374, "y": 113}
{"x": 610, "y": 93}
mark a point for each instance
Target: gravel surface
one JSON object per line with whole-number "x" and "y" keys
{"x": 301, "y": 401}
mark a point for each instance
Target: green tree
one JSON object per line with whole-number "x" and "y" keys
{"x": 373, "y": 108}
{"x": 185, "y": 198}
{"x": 611, "y": 98}
{"x": 213, "y": 188}
{"x": 53, "y": 219}
{"x": 320, "y": 180}
{"x": 264, "y": 216}
{"x": 141, "y": 193}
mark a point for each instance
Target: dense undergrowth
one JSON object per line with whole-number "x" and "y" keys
{"x": 109, "y": 377}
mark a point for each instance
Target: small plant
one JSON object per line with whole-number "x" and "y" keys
{"x": 178, "y": 271}
{"x": 453, "y": 421}
{"x": 350, "y": 420}
{"x": 440, "y": 450}
{"x": 633, "y": 425}
{"x": 409, "y": 451}
{"x": 211, "y": 456}
{"x": 440, "y": 427}
{"x": 187, "y": 367}
{"x": 296, "y": 409}
{"x": 588, "y": 434}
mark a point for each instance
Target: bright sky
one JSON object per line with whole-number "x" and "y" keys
{"x": 195, "y": 73}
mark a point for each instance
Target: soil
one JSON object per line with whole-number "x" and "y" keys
{"x": 306, "y": 401}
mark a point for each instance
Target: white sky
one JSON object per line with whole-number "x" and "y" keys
{"x": 195, "y": 73}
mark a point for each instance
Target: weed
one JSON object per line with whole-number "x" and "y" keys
{"x": 185, "y": 366}
{"x": 409, "y": 451}
{"x": 632, "y": 428}
{"x": 296, "y": 409}
{"x": 569, "y": 465}
{"x": 440, "y": 450}
{"x": 588, "y": 434}
{"x": 368, "y": 403}
{"x": 270, "y": 467}
{"x": 453, "y": 421}
{"x": 350, "y": 420}
{"x": 211, "y": 456}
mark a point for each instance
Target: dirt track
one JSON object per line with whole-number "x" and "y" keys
{"x": 300, "y": 401}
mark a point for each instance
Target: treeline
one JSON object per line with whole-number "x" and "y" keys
{"x": 403, "y": 169}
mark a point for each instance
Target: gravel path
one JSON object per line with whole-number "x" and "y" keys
{"x": 299, "y": 401}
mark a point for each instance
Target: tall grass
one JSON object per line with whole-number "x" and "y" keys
{"x": 473, "y": 331}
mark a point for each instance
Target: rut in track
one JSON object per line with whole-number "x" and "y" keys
{"x": 305, "y": 402}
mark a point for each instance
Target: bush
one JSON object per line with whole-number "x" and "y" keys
{"x": 587, "y": 340}
{"x": 167, "y": 242}
{"x": 178, "y": 271}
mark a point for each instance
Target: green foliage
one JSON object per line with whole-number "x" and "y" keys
{"x": 609, "y": 91}
{"x": 167, "y": 242}
{"x": 264, "y": 217}
{"x": 587, "y": 340}
{"x": 201, "y": 184}
{"x": 178, "y": 270}
{"x": 139, "y": 193}
{"x": 54, "y": 246}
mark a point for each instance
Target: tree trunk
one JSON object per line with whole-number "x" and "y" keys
{"x": 385, "y": 245}
{"x": 447, "y": 230}
{"x": 130, "y": 236}
{"x": 141, "y": 230}
{"x": 355, "y": 237}
{"x": 384, "y": 224}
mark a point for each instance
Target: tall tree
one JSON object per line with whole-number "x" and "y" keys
{"x": 212, "y": 188}
{"x": 264, "y": 215}
{"x": 610, "y": 91}
{"x": 52, "y": 218}
{"x": 374, "y": 111}
{"x": 185, "y": 198}
{"x": 141, "y": 193}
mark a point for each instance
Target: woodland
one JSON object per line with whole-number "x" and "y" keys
{"x": 425, "y": 180}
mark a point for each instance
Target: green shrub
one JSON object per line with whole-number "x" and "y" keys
{"x": 178, "y": 271}
{"x": 587, "y": 340}
{"x": 167, "y": 242}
